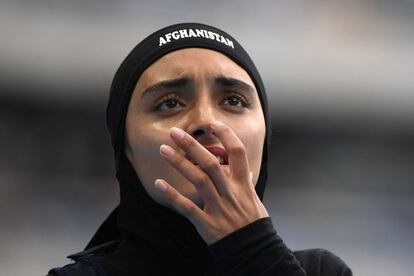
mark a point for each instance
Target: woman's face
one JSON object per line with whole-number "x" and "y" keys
{"x": 190, "y": 89}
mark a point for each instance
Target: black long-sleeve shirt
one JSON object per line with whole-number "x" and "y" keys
{"x": 255, "y": 249}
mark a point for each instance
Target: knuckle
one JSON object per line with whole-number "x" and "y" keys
{"x": 187, "y": 209}
{"x": 211, "y": 165}
{"x": 173, "y": 198}
{"x": 188, "y": 142}
{"x": 202, "y": 180}
{"x": 179, "y": 159}
{"x": 204, "y": 188}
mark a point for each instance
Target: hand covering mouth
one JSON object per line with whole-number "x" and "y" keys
{"x": 219, "y": 152}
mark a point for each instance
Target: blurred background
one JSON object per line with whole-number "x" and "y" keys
{"x": 341, "y": 87}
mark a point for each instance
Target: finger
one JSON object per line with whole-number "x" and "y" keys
{"x": 204, "y": 158}
{"x": 195, "y": 175}
{"x": 180, "y": 203}
{"x": 238, "y": 162}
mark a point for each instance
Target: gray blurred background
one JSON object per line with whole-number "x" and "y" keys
{"x": 340, "y": 81}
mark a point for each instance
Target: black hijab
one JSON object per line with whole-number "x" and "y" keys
{"x": 148, "y": 229}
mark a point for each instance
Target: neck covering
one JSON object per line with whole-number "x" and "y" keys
{"x": 152, "y": 229}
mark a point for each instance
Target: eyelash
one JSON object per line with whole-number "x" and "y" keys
{"x": 244, "y": 102}
{"x": 167, "y": 98}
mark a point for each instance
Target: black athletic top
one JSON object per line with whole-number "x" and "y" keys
{"x": 255, "y": 249}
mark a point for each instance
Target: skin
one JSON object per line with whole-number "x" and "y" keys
{"x": 186, "y": 101}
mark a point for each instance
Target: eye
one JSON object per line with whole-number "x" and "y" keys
{"x": 234, "y": 100}
{"x": 169, "y": 102}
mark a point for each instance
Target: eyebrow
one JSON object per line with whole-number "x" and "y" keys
{"x": 179, "y": 83}
{"x": 233, "y": 83}
{"x": 167, "y": 85}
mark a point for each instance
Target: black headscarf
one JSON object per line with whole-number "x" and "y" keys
{"x": 150, "y": 228}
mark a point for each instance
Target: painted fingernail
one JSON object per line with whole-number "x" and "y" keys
{"x": 177, "y": 133}
{"x": 166, "y": 150}
{"x": 160, "y": 185}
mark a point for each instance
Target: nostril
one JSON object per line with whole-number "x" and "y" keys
{"x": 198, "y": 132}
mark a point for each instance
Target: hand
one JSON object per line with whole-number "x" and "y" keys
{"x": 230, "y": 200}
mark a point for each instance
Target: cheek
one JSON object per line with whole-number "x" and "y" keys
{"x": 254, "y": 150}
{"x": 144, "y": 146}
{"x": 252, "y": 136}
{"x": 144, "y": 136}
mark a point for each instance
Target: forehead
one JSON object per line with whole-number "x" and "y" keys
{"x": 196, "y": 63}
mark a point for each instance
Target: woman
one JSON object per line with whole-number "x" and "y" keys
{"x": 190, "y": 129}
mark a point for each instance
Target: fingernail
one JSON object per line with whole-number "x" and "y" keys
{"x": 166, "y": 150}
{"x": 160, "y": 185}
{"x": 177, "y": 133}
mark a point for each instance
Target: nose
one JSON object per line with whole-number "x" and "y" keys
{"x": 200, "y": 120}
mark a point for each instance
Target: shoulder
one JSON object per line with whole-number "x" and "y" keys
{"x": 84, "y": 266}
{"x": 321, "y": 262}
{"x": 86, "y": 262}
